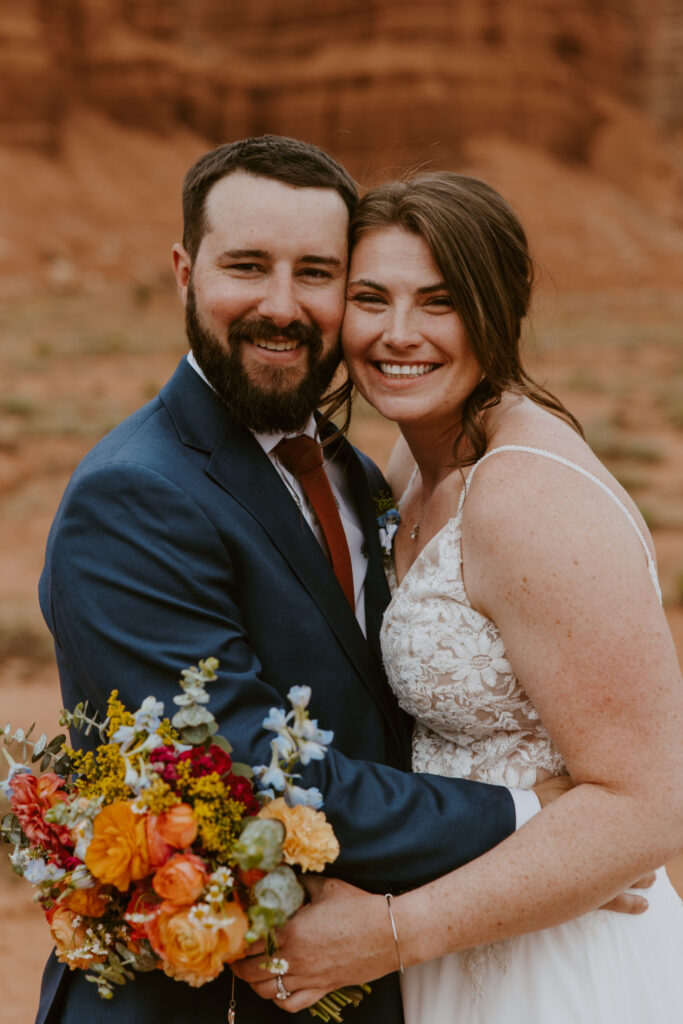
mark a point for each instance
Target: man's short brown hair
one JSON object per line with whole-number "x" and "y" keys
{"x": 267, "y": 156}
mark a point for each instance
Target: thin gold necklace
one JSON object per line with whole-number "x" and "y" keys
{"x": 415, "y": 529}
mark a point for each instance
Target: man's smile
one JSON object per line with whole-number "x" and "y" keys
{"x": 276, "y": 344}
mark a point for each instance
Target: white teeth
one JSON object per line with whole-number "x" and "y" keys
{"x": 277, "y": 346}
{"x": 407, "y": 369}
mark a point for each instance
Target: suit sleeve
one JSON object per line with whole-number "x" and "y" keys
{"x": 138, "y": 584}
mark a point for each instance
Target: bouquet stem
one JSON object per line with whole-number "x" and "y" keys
{"x": 328, "y": 1008}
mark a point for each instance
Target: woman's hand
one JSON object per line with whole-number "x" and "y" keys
{"x": 342, "y": 937}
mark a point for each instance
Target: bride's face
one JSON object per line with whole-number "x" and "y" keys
{"x": 404, "y": 342}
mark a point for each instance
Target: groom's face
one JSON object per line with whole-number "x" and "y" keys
{"x": 264, "y": 297}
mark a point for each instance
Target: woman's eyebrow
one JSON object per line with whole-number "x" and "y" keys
{"x": 425, "y": 290}
{"x": 439, "y": 287}
{"x": 367, "y": 283}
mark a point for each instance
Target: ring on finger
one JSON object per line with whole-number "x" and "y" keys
{"x": 282, "y": 992}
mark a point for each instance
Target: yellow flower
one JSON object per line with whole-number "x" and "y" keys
{"x": 117, "y": 854}
{"x": 310, "y": 841}
{"x": 101, "y": 773}
{"x": 117, "y": 714}
{"x": 218, "y": 822}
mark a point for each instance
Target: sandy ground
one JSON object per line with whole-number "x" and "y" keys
{"x": 74, "y": 364}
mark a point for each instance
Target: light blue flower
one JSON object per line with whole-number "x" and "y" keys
{"x": 38, "y": 871}
{"x": 306, "y": 797}
{"x": 276, "y": 720}
{"x": 125, "y": 735}
{"x": 271, "y": 775}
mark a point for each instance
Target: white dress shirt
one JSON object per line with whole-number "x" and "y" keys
{"x": 526, "y": 802}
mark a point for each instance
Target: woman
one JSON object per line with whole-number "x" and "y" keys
{"x": 525, "y": 636}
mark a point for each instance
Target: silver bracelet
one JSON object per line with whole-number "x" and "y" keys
{"x": 389, "y": 898}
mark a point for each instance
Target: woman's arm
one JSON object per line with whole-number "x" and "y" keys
{"x": 564, "y": 577}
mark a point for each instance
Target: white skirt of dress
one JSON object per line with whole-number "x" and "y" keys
{"x": 603, "y": 968}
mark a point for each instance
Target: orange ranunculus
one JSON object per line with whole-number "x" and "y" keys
{"x": 309, "y": 839}
{"x": 70, "y": 940}
{"x": 195, "y": 952}
{"x": 117, "y": 854}
{"x": 89, "y": 902}
{"x": 158, "y": 850}
{"x": 174, "y": 829}
{"x": 178, "y": 826}
{"x": 181, "y": 880}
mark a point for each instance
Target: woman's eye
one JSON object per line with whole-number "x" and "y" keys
{"x": 366, "y": 297}
{"x": 444, "y": 301}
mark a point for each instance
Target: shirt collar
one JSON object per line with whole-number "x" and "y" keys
{"x": 267, "y": 441}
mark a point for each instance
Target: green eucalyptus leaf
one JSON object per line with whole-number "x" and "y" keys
{"x": 39, "y": 748}
{"x": 10, "y": 829}
{"x": 220, "y": 741}
{"x": 242, "y": 769}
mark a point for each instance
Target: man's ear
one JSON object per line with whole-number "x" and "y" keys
{"x": 182, "y": 265}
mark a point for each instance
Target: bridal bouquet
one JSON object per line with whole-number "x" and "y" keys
{"x": 158, "y": 851}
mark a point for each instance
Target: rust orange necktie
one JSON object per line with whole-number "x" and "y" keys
{"x": 303, "y": 457}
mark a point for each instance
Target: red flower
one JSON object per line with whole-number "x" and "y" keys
{"x": 30, "y": 799}
{"x": 204, "y": 762}
{"x": 167, "y": 757}
{"x": 241, "y": 789}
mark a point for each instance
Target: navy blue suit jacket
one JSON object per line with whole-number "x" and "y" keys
{"x": 175, "y": 540}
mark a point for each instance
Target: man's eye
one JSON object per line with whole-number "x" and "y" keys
{"x": 245, "y": 267}
{"x": 316, "y": 273}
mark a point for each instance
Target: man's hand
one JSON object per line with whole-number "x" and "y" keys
{"x": 551, "y": 788}
{"x": 626, "y": 902}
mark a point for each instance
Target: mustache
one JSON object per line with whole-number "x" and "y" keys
{"x": 258, "y": 329}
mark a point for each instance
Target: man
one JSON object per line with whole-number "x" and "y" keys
{"x": 183, "y": 534}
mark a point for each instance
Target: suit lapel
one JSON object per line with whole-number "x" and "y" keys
{"x": 239, "y": 466}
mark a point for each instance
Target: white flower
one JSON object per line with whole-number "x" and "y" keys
{"x": 299, "y": 696}
{"x": 148, "y": 716}
{"x": 482, "y": 660}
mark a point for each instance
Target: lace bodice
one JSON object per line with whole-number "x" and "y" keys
{"x": 448, "y": 668}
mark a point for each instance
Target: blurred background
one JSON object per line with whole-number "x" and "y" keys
{"x": 573, "y": 111}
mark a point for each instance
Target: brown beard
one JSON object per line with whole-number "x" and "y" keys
{"x": 271, "y": 407}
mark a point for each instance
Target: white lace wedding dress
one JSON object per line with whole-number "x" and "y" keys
{"x": 448, "y": 668}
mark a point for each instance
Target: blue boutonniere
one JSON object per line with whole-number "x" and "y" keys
{"x": 388, "y": 518}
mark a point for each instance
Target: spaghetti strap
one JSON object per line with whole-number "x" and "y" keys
{"x": 408, "y": 485}
{"x": 584, "y": 472}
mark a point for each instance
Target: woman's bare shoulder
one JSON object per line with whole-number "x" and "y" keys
{"x": 400, "y": 467}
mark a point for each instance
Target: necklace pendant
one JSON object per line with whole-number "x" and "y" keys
{"x": 415, "y": 531}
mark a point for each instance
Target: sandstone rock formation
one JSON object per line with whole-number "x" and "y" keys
{"x": 383, "y": 84}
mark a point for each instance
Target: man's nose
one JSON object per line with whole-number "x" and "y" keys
{"x": 279, "y": 302}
